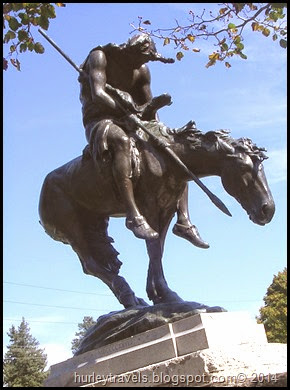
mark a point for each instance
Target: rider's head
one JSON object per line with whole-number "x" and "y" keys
{"x": 142, "y": 46}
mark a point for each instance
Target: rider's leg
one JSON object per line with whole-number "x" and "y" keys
{"x": 183, "y": 226}
{"x": 119, "y": 143}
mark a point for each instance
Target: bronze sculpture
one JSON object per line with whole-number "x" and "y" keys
{"x": 123, "y": 67}
{"x": 78, "y": 198}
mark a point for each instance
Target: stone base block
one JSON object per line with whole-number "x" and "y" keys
{"x": 188, "y": 339}
{"x": 239, "y": 366}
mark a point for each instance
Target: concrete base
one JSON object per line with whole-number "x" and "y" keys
{"x": 191, "y": 352}
{"x": 240, "y": 366}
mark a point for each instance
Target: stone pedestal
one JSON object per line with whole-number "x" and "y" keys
{"x": 203, "y": 348}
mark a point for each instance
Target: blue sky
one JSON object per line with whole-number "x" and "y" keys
{"x": 43, "y": 279}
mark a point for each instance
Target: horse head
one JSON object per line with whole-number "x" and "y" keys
{"x": 244, "y": 178}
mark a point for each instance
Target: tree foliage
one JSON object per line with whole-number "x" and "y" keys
{"x": 83, "y": 328}
{"x": 24, "y": 362}
{"x": 274, "y": 314}
{"x": 19, "y": 20}
{"x": 225, "y": 26}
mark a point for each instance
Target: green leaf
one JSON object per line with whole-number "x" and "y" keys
{"x": 224, "y": 47}
{"x": 24, "y": 18}
{"x": 283, "y": 43}
{"x": 17, "y": 6}
{"x": 22, "y": 35}
{"x": 227, "y": 64}
{"x": 23, "y": 47}
{"x": 275, "y": 37}
{"x": 30, "y": 46}
{"x": 231, "y": 26}
{"x": 9, "y": 35}
{"x": 278, "y": 5}
{"x": 13, "y": 23}
{"x": 43, "y": 22}
{"x": 273, "y": 16}
{"x": 243, "y": 56}
{"x": 48, "y": 11}
{"x": 240, "y": 46}
{"x": 38, "y": 48}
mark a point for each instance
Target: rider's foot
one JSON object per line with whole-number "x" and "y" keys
{"x": 191, "y": 234}
{"x": 141, "y": 229}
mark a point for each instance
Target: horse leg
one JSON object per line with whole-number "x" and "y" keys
{"x": 86, "y": 233}
{"x": 157, "y": 288}
{"x": 117, "y": 284}
{"x": 99, "y": 259}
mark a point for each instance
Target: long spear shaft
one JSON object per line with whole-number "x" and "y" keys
{"x": 216, "y": 201}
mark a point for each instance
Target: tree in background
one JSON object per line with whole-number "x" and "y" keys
{"x": 19, "y": 19}
{"x": 225, "y": 26}
{"x": 274, "y": 314}
{"x": 24, "y": 363}
{"x": 83, "y": 328}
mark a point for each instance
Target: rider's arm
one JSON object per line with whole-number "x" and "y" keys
{"x": 97, "y": 64}
{"x": 142, "y": 86}
{"x": 144, "y": 95}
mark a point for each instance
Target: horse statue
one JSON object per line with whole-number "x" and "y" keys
{"x": 78, "y": 198}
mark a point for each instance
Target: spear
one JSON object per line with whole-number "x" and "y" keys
{"x": 158, "y": 141}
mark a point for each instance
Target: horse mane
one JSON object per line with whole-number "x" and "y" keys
{"x": 220, "y": 140}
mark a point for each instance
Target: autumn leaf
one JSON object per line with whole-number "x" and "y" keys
{"x": 191, "y": 37}
{"x": 283, "y": 43}
{"x": 255, "y": 26}
{"x": 166, "y": 41}
{"x": 214, "y": 56}
{"x": 5, "y": 64}
{"x": 179, "y": 55}
{"x": 266, "y": 32}
{"x": 222, "y": 11}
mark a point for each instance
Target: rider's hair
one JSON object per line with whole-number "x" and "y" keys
{"x": 140, "y": 41}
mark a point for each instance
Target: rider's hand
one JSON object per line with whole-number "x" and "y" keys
{"x": 131, "y": 122}
{"x": 128, "y": 103}
{"x": 161, "y": 100}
